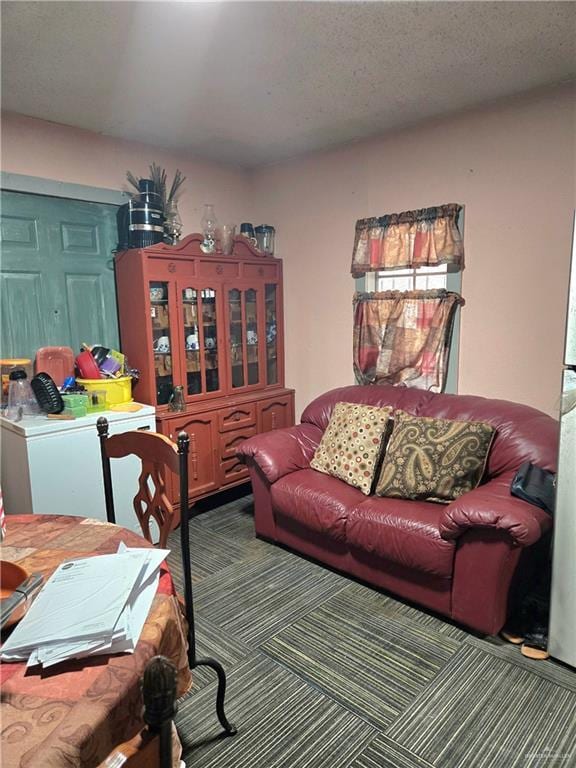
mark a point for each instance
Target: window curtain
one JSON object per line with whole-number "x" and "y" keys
{"x": 403, "y": 337}
{"x": 423, "y": 238}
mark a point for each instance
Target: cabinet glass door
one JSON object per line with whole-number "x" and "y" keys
{"x": 191, "y": 341}
{"x": 161, "y": 340}
{"x": 200, "y": 340}
{"x": 236, "y": 337}
{"x": 271, "y": 302}
{"x": 244, "y": 346}
{"x": 209, "y": 339}
{"x": 250, "y": 297}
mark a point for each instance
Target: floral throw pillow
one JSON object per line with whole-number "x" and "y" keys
{"x": 350, "y": 446}
{"x": 434, "y": 459}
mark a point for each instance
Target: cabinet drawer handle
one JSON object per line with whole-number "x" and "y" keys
{"x": 236, "y": 417}
{"x": 144, "y": 428}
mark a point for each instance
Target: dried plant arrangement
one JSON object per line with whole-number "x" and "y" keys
{"x": 160, "y": 177}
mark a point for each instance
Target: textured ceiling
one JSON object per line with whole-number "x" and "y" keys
{"x": 254, "y": 83}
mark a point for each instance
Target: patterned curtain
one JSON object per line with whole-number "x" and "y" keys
{"x": 403, "y": 337}
{"x": 422, "y": 238}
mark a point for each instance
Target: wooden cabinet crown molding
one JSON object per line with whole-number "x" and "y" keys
{"x": 243, "y": 248}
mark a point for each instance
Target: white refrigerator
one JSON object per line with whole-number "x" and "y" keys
{"x": 54, "y": 467}
{"x": 562, "y": 631}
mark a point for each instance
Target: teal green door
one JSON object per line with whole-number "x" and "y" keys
{"x": 56, "y": 274}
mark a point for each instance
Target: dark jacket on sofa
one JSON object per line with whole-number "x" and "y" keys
{"x": 458, "y": 559}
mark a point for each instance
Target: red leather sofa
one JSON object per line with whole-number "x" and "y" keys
{"x": 457, "y": 559}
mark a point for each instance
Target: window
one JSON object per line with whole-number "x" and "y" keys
{"x": 403, "y": 338}
{"x": 422, "y": 278}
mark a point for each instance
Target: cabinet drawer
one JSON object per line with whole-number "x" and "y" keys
{"x": 229, "y": 441}
{"x": 237, "y": 416}
{"x": 232, "y": 470}
{"x": 263, "y": 271}
{"x": 219, "y": 269}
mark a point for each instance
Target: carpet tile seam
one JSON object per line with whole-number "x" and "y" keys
{"x": 381, "y": 742}
{"x": 356, "y": 705}
{"x": 325, "y": 694}
{"x": 439, "y": 660}
{"x": 522, "y": 662}
{"x": 329, "y": 670}
{"x": 294, "y": 615}
{"x": 423, "y": 737}
{"x": 320, "y": 704}
{"x": 313, "y": 684}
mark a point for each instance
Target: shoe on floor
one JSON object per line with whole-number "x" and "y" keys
{"x": 511, "y": 636}
{"x": 531, "y": 652}
{"x": 535, "y": 645}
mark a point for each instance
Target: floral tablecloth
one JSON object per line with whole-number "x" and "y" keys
{"x": 75, "y": 713}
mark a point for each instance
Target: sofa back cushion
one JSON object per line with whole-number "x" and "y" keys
{"x": 319, "y": 411}
{"x": 350, "y": 446}
{"x": 522, "y": 433}
{"x": 432, "y": 459}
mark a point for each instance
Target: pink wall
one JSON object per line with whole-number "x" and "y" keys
{"x": 513, "y": 167}
{"x": 51, "y": 151}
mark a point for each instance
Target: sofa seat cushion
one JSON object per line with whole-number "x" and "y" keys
{"x": 317, "y": 501}
{"x": 402, "y": 531}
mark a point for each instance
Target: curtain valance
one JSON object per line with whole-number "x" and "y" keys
{"x": 403, "y": 337}
{"x": 423, "y": 238}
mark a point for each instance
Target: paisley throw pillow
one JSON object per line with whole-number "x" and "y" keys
{"x": 434, "y": 459}
{"x": 350, "y": 446}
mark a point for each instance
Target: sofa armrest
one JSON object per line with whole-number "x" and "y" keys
{"x": 492, "y": 506}
{"x": 282, "y": 450}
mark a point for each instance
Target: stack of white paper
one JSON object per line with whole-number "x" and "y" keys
{"x": 91, "y": 606}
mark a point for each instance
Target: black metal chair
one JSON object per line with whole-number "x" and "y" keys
{"x": 158, "y": 455}
{"x": 152, "y": 746}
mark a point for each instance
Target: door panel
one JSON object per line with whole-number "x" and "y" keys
{"x": 86, "y": 303}
{"x": 203, "y": 452}
{"x": 57, "y": 272}
{"x": 18, "y": 290}
{"x": 275, "y": 413}
{"x": 79, "y": 238}
{"x": 19, "y": 232}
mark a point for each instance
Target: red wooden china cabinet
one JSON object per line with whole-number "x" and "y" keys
{"x": 213, "y": 325}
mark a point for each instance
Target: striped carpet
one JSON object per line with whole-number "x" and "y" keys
{"x": 324, "y": 672}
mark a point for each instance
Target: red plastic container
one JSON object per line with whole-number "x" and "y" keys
{"x": 87, "y": 366}
{"x": 57, "y": 362}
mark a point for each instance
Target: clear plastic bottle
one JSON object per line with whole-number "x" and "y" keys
{"x": 21, "y": 399}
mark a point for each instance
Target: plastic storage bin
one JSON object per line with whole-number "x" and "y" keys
{"x": 76, "y": 404}
{"x": 96, "y": 401}
{"x": 117, "y": 390}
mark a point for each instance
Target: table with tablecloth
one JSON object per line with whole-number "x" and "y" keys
{"x": 74, "y": 713}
